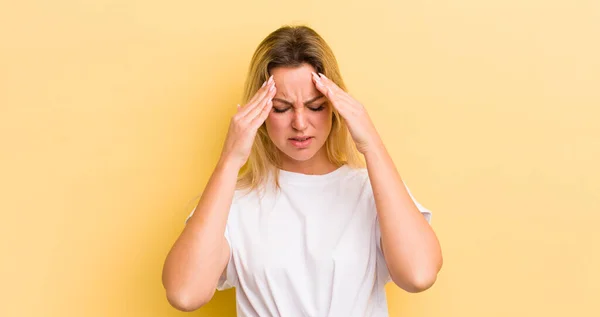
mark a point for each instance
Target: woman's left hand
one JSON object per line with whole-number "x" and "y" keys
{"x": 359, "y": 123}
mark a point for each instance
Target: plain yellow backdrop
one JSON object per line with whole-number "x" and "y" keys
{"x": 112, "y": 116}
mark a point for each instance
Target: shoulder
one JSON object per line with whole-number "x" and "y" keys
{"x": 245, "y": 199}
{"x": 354, "y": 183}
{"x": 355, "y": 173}
{"x": 358, "y": 176}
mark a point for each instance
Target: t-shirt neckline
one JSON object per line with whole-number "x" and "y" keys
{"x": 300, "y": 178}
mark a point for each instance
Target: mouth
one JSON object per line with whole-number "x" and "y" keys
{"x": 301, "y": 139}
{"x": 301, "y": 142}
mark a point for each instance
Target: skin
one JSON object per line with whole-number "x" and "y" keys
{"x": 410, "y": 246}
{"x": 300, "y": 109}
{"x": 200, "y": 255}
{"x": 411, "y": 249}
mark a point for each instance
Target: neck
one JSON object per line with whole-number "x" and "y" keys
{"x": 316, "y": 165}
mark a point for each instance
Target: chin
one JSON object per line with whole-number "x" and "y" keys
{"x": 300, "y": 155}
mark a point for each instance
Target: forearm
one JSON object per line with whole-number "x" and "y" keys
{"x": 195, "y": 262}
{"x": 410, "y": 246}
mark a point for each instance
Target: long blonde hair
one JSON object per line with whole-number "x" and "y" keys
{"x": 292, "y": 46}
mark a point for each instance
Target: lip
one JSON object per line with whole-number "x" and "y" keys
{"x": 301, "y": 144}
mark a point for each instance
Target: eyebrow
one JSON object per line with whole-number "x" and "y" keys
{"x": 305, "y": 103}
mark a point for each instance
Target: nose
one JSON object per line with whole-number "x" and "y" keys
{"x": 300, "y": 121}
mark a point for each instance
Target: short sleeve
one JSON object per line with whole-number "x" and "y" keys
{"x": 381, "y": 265}
{"x": 424, "y": 211}
{"x": 226, "y": 280}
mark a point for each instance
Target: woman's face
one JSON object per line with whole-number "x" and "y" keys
{"x": 300, "y": 120}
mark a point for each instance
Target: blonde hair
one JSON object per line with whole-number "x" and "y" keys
{"x": 292, "y": 46}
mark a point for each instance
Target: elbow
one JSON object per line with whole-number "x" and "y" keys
{"x": 420, "y": 282}
{"x": 187, "y": 301}
{"x": 184, "y": 295}
{"x": 424, "y": 278}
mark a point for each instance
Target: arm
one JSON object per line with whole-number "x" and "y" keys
{"x": 410, "y": 247}
{"x": 200, "y": 254}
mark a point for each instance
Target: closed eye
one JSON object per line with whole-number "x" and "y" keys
{"x": 319, "y": 108}
{"x": 280, "y": 110}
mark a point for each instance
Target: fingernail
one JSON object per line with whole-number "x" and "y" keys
{"x": 323, "y": 76}
{"x": 271, "y": 79}
{"x": 272, "y": 88}
{"x": 263, "y": 84}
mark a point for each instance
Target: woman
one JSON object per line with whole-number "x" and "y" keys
{"x": 292, "y": 217}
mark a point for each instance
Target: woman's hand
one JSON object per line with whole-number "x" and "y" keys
{"x": 359, "y": 123}
{"x": 245, "y": 123}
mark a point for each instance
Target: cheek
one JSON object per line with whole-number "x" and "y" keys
{"x": 323, "y": 119}
{"x": 276, "y": 123}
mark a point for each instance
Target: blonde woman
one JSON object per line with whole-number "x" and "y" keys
{"x": 305, "y": 213}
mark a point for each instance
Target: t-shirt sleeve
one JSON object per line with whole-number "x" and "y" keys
{"x": 424, "y": 211}
{"x": 382, "y": 267}
{"x": 227, "y": 279}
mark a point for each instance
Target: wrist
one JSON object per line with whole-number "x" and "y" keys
{"x": 229, "y": 163}
{"x": 375, "y": 149}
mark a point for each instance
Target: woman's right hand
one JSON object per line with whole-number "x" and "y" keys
{"x": 245, "y": 124}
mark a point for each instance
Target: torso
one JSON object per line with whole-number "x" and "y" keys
{"x": 309, "y": 249}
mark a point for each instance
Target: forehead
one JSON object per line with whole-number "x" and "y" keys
{"x": 294, "y": 83}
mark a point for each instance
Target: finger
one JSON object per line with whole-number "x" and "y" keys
{"x": 329, "y": 83}
{"x": 262, "y": 116}
{"x": 259, "y": 97}
{"x": 336, "y": 99}
{"x": 323, "y": 88}
{"x": 261, "y": 105}
{"x": 257, "y": 109}
{"x": 319, "y": 83}
{"x": 262, "y": 89}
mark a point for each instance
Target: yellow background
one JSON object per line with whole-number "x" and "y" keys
{"x": 113, "y": 114}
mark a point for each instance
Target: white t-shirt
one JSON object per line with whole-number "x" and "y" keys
{"x": 311, "y": 249}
